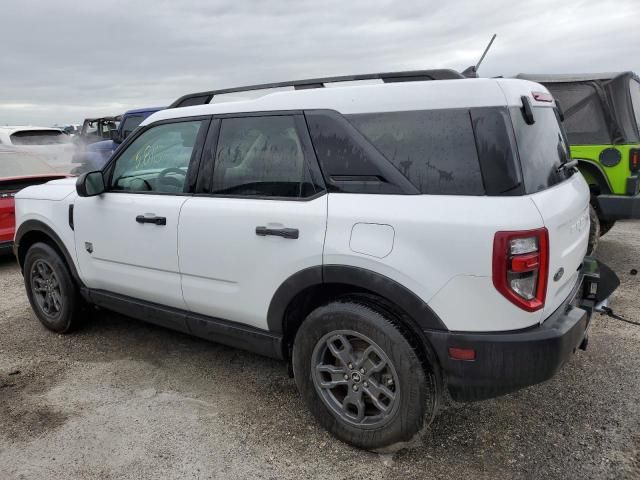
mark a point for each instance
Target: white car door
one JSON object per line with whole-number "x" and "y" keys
{"x": 262, "y": 219}
{"x": 126, "y": 238}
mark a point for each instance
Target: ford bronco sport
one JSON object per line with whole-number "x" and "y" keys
{"x": 389, "y": 240}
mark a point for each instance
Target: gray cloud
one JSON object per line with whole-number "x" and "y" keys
{"x": 66, "y": 60}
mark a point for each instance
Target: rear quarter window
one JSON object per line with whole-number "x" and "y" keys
{"x": 434, "y": 149}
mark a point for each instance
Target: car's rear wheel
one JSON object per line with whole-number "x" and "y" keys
{"x": 53, "y": 295}
{"x": 361, "y": 377}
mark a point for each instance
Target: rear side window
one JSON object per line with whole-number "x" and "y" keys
{"x": 261, "y": 156}
{"x": 542, "y": 148}
{"x": 434, "y": 149}
{"x": 496, "y": 145}
{"x": 584, "y": 114}
{"x": 40, "y": 137}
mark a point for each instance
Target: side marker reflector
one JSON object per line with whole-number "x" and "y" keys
{"x": 456, "y": 353}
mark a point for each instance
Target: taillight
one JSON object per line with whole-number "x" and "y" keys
{"x": 634, "y": 160}
{"x": 521, "y": 266}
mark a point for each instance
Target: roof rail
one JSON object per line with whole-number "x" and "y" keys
{"x": 201, "y": 98}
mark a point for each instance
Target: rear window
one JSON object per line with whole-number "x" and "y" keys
{"x": 39, "y": 137}
{"x": 542, "y": 148}
{"x": 434, "y": 149}
{"x": 634, "y": 88}
{"x": 584, "y": 113}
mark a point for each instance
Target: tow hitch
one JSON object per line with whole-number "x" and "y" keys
{"x": 598, "y": 283}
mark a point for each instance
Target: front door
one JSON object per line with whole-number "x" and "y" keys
{"x": 126, "y": 238}
{"x": 262, "y": 218}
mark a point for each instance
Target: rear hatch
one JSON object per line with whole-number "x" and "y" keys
{"x": 560, "y": 194}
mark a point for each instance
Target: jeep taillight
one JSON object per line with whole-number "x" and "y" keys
{"x": 520, "y": 267}
{"x": 634, "y": 160}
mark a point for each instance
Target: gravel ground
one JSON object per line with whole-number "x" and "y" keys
{"x": 122, "y": 399}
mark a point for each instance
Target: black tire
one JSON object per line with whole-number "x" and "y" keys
{"x": 594, "y": 231}
{"x": 605, "y": 226}
{"x": 52, "y": 293}
{"x": 412, "y": 384}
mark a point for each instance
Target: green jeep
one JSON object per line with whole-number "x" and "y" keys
{"x": 602, "y": 120}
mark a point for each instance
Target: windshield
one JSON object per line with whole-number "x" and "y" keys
{"x": 15, "y": 163}
{"x": 39, "y": 137}
{"x": 542, "y": 148}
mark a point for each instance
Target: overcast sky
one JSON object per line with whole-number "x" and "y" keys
{"x": 64, "y": 60}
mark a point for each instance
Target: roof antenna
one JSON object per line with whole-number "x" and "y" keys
{"x": 472, "y": 71}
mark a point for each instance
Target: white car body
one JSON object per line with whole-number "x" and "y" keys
{"x": 437, "y": 246}
{"x": 443, "y": 218}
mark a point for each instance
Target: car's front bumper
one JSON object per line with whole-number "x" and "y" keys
{"x": 618, "y": 207}
{"x": 507, "y": 361}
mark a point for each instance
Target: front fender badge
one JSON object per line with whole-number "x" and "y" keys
{"x": 558, "y": 274}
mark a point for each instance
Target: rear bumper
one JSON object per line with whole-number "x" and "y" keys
{"x": 618, "y": 207}
{"x": 508, "y": 361}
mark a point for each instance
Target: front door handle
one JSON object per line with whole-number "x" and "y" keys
{"x": 155, "y": 220}
{"x": 278, "y": 232}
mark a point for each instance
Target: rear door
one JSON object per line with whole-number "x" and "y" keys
{"x": 561, "y": 197}
{"x": 259, "y": 219}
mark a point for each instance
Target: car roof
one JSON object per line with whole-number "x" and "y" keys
{"x": 143, "y": 110}
{"x": 368, "y": 98}
{"x": 572, "y": 77}
{"x": 11, "y": 129}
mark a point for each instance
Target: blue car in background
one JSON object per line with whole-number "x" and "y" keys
{"x": 95, "y": 155}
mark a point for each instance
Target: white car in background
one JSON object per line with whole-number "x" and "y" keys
{"x": 51, "y": 144}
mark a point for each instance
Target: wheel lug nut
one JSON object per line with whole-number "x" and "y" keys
{"x": 366, "y": 384}
{"x": 355, "y": 388}
{"x": 346, "y": 377}
{"x": 350, "y": 365}
{"x": 362, "y": 370}
{"x": 390, "y": 382}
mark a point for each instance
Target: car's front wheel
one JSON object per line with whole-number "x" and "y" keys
{"x": 361, "y": 377}
{"x": 53, "y": 295}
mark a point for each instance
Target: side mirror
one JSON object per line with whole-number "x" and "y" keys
{"x": 90, "y": 184}
{"x": 115, "y": 136}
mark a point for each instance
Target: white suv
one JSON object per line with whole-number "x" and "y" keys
{"x": 387, "y": 239}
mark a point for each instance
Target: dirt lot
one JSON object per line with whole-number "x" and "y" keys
{"x": 122, "y": 399}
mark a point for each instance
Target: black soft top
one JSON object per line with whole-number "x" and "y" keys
{"x": 598, "y": 106}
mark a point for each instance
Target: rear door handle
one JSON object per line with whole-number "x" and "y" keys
{"x": 278, "y": 232}
{"x": 155, "y": 220}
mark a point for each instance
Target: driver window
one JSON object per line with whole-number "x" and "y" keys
{"x": 157, "y": 161}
